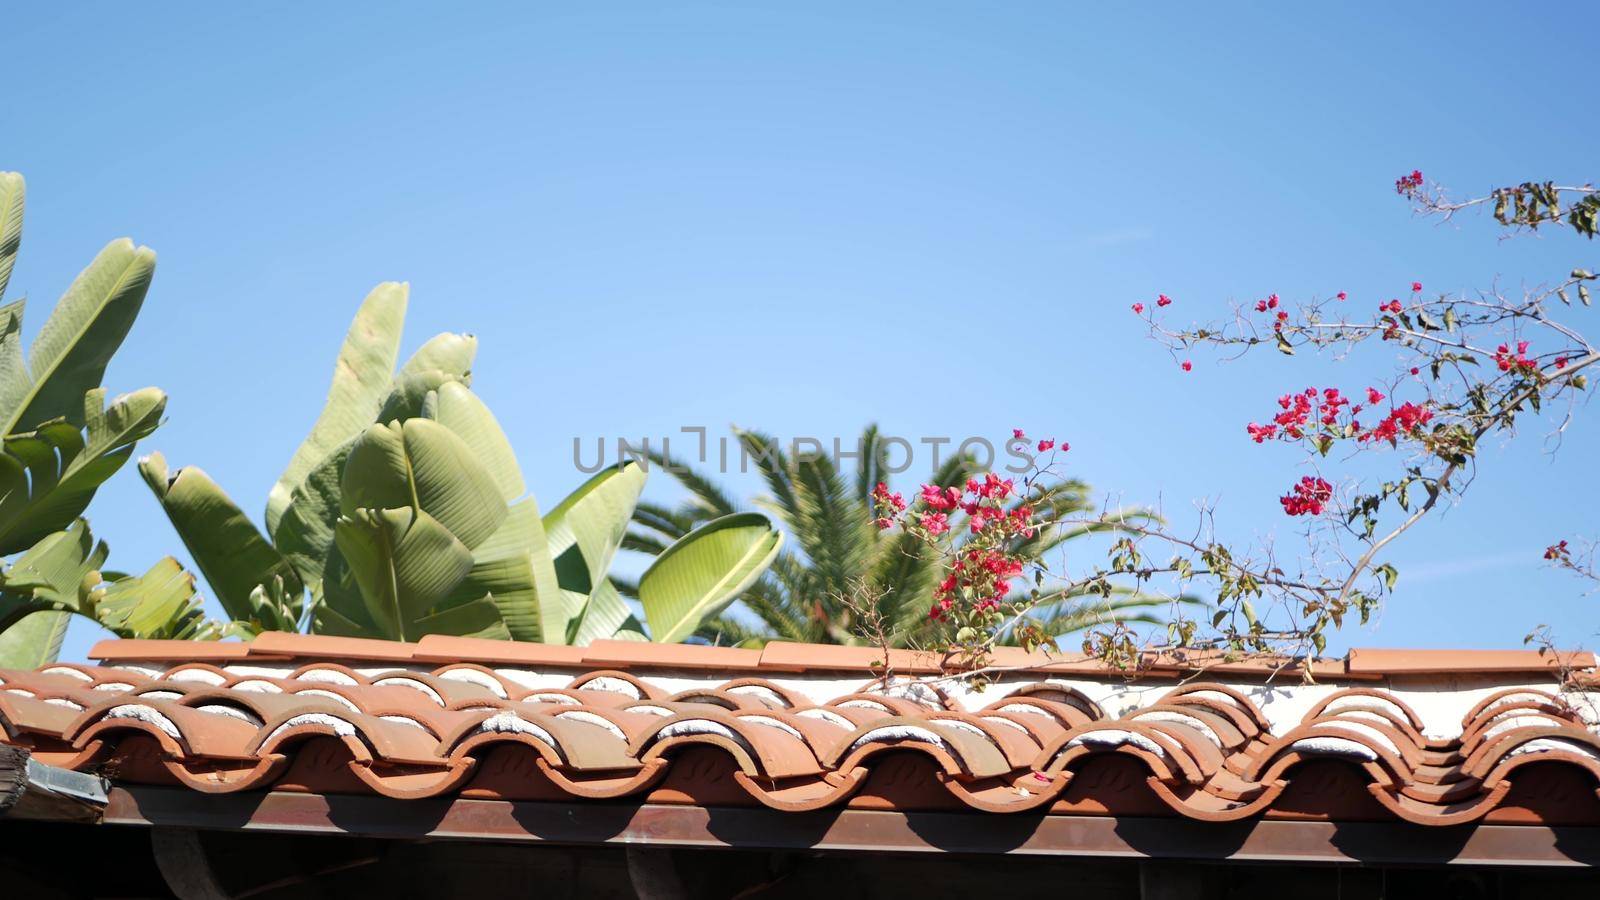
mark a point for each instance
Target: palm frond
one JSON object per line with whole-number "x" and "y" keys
{"x": 955, "y": 470}
{"x": 644, "y": 543}
{"x": 1050, "y": 503}
{"x": 669, "y": 523}
{"x": 903, "y": 572}
{"x": 794, "y": 575}
{"x": 774, "y": 466}
{"x": 783, "y": 613}
{"x": 704, "y": 492}
{"x": 833, "y": 528}
{"x": 874, "y": 465}
{"x": 724, "y": 631}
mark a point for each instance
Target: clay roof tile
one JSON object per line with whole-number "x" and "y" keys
{"x": 614, "y": 720}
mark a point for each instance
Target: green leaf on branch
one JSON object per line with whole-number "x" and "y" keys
{"x": 1389, "y": 574}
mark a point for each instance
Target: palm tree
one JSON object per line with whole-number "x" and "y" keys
{"x": 846, "y": 571}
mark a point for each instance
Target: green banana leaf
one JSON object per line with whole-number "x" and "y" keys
{"x": 422, "y": 464}
{"x": 59, "y": 572}
{"x": 602, "y": 617}
{"x": 449, "y": 353}
{"x": 233, "y": 556}
{"x": 68, "y": 357}
{"x": 584, "y": 531}
{"x": 631, "y": 630}
{"x": 457, "y": 408}
{"x": 304, "y": 534}
{"x": 513, "y": 567}
{"x": 361, "y": 378}
{"x": 404, "y": 564}
{"x": 12, "y": 192}
{"x": 698, "y": 576}
{"x": 409, "y": 394}
{"x": 41, "y": 590}
{"x": 305, "y": 530}
{"x": 48, "y": 476}
{"x": 161, "y": 603}
{"x": 14, "y": 379}
{"x": 61, "y": 442}
{"x": 34, "y": 641}
{"x": 273, "y": 607}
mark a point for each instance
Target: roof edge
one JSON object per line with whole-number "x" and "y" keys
{"x": 783, "y": 657}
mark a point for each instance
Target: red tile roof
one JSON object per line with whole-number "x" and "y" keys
{"x": 793, "y": 727}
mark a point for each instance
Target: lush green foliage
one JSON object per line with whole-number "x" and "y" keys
{"x": 404, "y": 513}
{"x": 850, "y": 582}
{"x": 61, "y": 442}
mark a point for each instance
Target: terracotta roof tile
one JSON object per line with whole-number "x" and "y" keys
{"x": 628, "y": 654}
{"x": 782, "y": 656}
{"x": 134, "y": 649}
{"x": 315, "y": 646}
{"x": 802, "y": 727}
{"x": 441, "y": 648}
{"x": 1412, "y": 662}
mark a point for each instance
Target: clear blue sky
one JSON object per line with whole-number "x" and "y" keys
{"x": 803, "y": 217}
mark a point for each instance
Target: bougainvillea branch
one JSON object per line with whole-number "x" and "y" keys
{"x": 1443, "y": 372}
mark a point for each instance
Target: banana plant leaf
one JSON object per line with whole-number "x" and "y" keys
{"x": 34, "y": 641}
{"x": 602, "y": 617}
{"x": 304, "y": 534}
{"x": 161, "y": 603}
{"x": 422, "y": 464}
{"x": 57, "y": 573}
{"x": 457, "y": 408}
{"x": 403, "y": 564}
{"x": 449, "y": 353}
{"x": 513, "y": 567}
{"x": 273, "y": 607}
{"x": 631, "y": 630}
{"x": 698, "y": 576}
{"x": 410, "y": 393}
{"x": 305, "y": 530}
{"x": 12, "y": 193}
{"x": 234, "y": 557}
{"x": 584, "y": 531}
{"x": 68, "y": 357}
{"x": 361, "y": 379}
{"x": 48, "y": 476}
{"x": 41, "y": 590}
{"x": 14, "y": 378}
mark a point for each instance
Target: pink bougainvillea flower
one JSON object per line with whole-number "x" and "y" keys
{"x": 1310, "y": 495}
